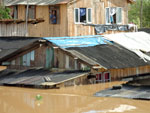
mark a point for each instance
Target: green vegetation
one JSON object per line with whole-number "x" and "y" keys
{"x": 135, "y": 13}
{"x": 4, "y": 13}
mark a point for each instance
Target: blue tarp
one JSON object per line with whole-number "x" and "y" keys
{"x": 77, "y": 41}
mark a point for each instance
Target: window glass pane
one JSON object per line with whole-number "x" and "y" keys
{"x": 119, "y": 15}
{"x": 107, "y": 15}
{"x": 82, "y": 14}
{"x": 76, "y": 15}
{"x": 32, "y": 55}
{"x": 89, "y": 15}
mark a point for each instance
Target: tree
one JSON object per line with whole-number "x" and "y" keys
{"x": 140, "y": 13}
{"x": 4, "y": 13}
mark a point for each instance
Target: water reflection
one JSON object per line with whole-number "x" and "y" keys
{"x": 77, "y": 99}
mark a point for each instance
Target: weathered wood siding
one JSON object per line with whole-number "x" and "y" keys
{"x": 98, "y": 14}
{"x": 46, "y": 29}
{"x": 59, "y": 59}
{"x": 119, "y": 73}
{"x": 12, "y": 29}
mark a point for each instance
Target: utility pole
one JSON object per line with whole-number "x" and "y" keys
{"x": 141, "y": 13}
{"x": 26, "y": 26}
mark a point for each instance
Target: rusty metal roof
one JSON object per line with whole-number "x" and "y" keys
{"x": 34, "y": 2}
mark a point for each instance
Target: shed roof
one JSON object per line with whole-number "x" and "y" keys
{"x": 8, "y": 45}
{"x": 111, "y": 57}
{"x": 77, "y": 41}
{"x": 34, "y": 2}
{"x": 36, "y": 76}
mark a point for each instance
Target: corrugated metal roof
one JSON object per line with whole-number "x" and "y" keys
{"x": 137, "y": 42}
{"x": 8, "y": 45}
{"x": 36, "y": 76}
{"x": 33, "y": 2}
{"x": 111, "y": 56}
{"x": 77, "y": 41}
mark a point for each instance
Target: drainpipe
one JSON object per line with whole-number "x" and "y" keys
{"x": 26, "y": 25}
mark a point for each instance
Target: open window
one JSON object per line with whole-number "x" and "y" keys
{"x": 14, "y": 12}
{"x": 31, "y": 12}
{"x": 83, "y": 15}
{"x": 113, "y": 15}
{"x": 54, "y": 14}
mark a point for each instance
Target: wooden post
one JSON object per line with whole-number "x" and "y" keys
{"x": 26, "y": 33}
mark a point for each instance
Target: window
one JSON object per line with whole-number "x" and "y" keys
{"x": 14, "y": 12}
{"x": 54, "y": 14}
{"x": 31, "y": 12}
{"x": 67, "y": 62}
{"x": 103, "y": 77}
{"x": 83, "y": 15}
{"x": 113, "y": 15}
{"x": 27, "y": 58}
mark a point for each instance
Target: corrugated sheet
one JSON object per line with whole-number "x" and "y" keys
{"x": 33, "y": 2}
{"x": 9, "y": 45}
{"x": 36, "y": 76}
{"x": 137, "y": 42}
{"x": 132, "y": 41}
{"x": 110, "y": 56}
{"x": 77, "y": 41}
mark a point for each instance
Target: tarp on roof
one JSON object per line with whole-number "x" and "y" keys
{"x": 138, "y": 42}
{"x": 33, "y": 2}
{"x": 77, "y": 41}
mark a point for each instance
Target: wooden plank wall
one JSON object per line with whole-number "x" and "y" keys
{"x": 45, "y": 29}
{"x": 98, "y": 14}
{"x": 12, "y": 29}
{"x": 119, "y": 73}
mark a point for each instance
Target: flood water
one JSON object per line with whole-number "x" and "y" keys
{"x": 77, "y": 99}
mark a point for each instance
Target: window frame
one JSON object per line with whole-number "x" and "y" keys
{"x": 29, "y": 11}
{"x": 87, "y": 20}
{"x": 116, "y": 15}
{"x": 58, "y": 15}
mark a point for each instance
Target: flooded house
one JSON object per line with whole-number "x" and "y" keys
{"x": 84, "y": 59}
{"x": 39, "y": 62}
{"x": 66, "y": 17}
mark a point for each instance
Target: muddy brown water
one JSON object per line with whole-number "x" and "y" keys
{"x": 77, "y": 99}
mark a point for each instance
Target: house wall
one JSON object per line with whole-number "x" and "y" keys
{"x": 45, "y": 29}
{"x": 117, "y": 74}
{"x": 57, "y": 58}
{"x": 98, "y": 14}
{"x": 12, "y": 29}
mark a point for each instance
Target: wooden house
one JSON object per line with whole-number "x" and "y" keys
{"x": 106, "y": 61}
{"x": 69, "y": 17}
{"x": 25, "y": 53}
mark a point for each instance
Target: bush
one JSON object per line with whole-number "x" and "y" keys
{"x": 4, "y": 13}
